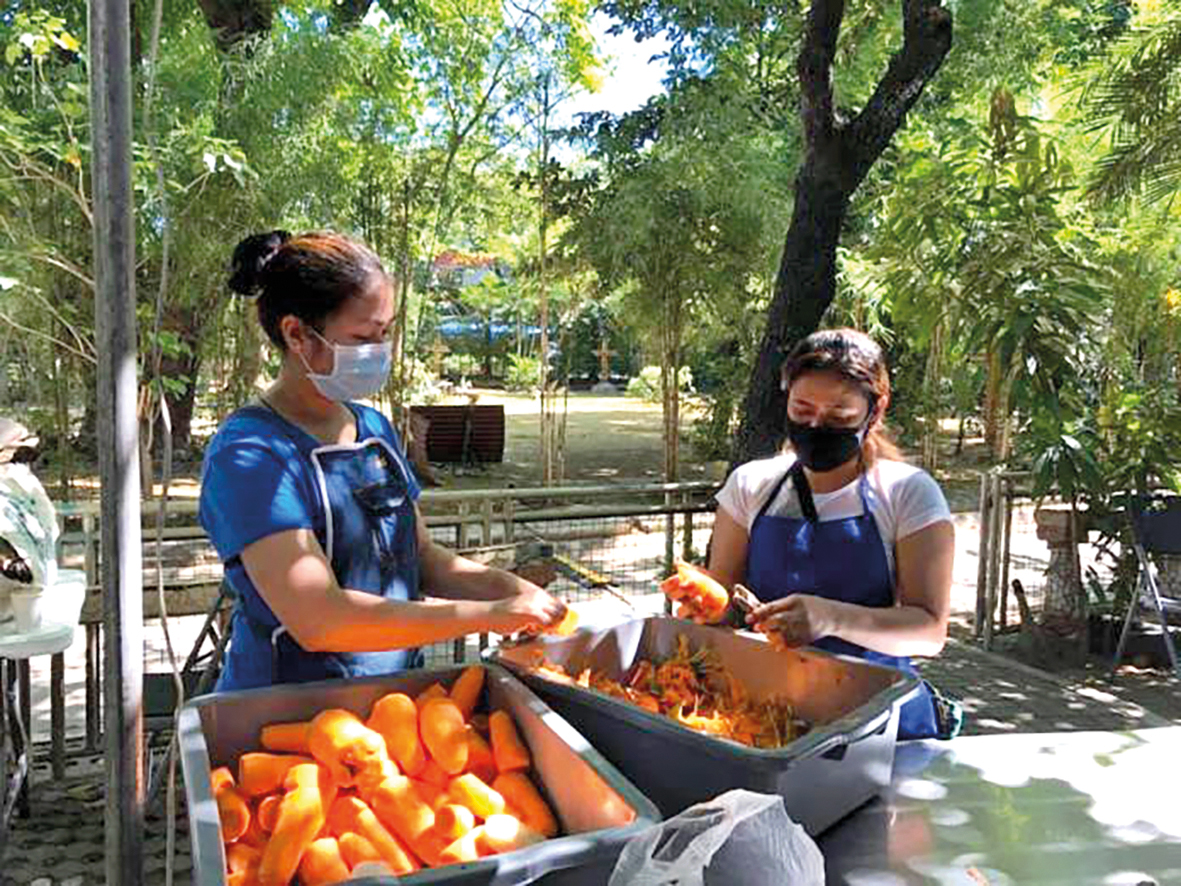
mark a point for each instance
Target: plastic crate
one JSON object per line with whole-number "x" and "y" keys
{"x": 599, "y": 810}
{"x": 842, "y": 762}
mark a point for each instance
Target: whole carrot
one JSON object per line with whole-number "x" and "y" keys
{"x": 466, "y": 691}
{"x": 395, "y": 718}
{"x": 510, "y": 752}
{"x": 442, "y": 728}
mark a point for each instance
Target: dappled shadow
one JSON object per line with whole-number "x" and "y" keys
{"x": 1045, "y": 809}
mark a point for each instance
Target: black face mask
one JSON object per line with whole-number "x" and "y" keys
{"x": 823, "y": 448}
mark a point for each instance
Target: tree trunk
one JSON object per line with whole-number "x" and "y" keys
{"x": 837, "y": 158}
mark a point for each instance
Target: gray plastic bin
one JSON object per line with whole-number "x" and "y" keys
{"x": 843, "y": 761}
{"x": 598, "y": 808}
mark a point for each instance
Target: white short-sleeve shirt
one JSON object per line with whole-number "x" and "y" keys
{"x": 903, "y": 499}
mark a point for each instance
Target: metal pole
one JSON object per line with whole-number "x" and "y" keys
{"x": 118, "y": 446}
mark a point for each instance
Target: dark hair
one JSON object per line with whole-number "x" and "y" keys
{"x": 858, "y": 359}
{"x": 308, "y": 276}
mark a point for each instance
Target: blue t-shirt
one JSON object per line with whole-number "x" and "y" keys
{"x": 259, "y": 479}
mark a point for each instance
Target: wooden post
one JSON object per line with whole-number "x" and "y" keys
{"x": 109, "y": 39}
{"x": 982, "y": 561}
{"x": 57, "y": 714}
{"x": 994, "y": 548}
{"x": 1006, "y": 502}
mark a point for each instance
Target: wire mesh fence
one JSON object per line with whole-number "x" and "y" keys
{"x": 583, "y": 543}
{"x": 1026, "y": 553}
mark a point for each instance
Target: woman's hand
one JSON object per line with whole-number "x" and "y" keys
{"x": 796, "y": 620}
{"x": 529, "y": 608}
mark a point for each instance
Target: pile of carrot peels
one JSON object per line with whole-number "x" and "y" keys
{"x": 695, "y": 689}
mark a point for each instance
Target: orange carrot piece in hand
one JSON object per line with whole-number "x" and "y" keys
{"x": 263, "y": 773}
{"x": 303, "y": 811}
{"x": 452, "y": 821}
{"x": 285, "y": 738}
{"x": 322, "y": 864}
{"x": 351, "y": 815}
{"x": 522, "y": 795}
{"x": 567, "y": 626}
{"x": 442, "y": 727}
{"x": 467, "y": 688}
{"x": 395, "y": 718}
{"x": 510, "y": 752}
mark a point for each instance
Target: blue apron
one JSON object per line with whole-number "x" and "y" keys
{"x": 367, "y": 529}
{"x": 839, "y": 560}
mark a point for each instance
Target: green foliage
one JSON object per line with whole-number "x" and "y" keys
{"x": 524, "y": 373}
{"x": 646, "y": 385}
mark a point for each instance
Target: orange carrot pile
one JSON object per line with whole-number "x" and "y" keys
{"x": 419, "y": 782}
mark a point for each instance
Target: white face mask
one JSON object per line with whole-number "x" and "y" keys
{"x": 358, "y": 371}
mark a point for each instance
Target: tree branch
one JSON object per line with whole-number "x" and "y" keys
{"x": 926, "y": 42}
{"x": 814, "y": 69}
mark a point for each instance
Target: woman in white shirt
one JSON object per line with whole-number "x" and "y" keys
{"x": 848, "y": 547}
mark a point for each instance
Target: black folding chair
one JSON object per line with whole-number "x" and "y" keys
{"x": 1156, "y": 530}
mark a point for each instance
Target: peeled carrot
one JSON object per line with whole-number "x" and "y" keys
{"x": 240, "y": 857}
{"x": 371, "y": 777}
{"x": 433, "y": 773}
{"x": 268, "y": 812}
{"x": 255, "y": 836}
{"x": 355, "y": 850}
{"x": 260, "y": 773}
{"x": 322, "y": 864}
{"x": 351, "y": 815}
{"x": 395, "y": 718}
{"x": 248, "y": 877}
{"x": 340, "y": 741}
{"x": 309, "y": 795}
{"x": 510, "y": 752}
{"x": 453, "y": 821}
{"x": 288, "y": 738}
{"x": 506, "y": 833}
{"x": 466, "y": 690}
{"x": 232, "y": 808}
{"x": 468, "y": 790}
{"x": 431, "y": 794}
{"x": 402, "y": 810}
{"x": 480, "y": 759}
{"x": 442, "y": 728}
{"x": 522, "y": 795}
{"x": 435, "y": 690}
{"x": 699, "y": 590}
{"x": 465, "y": 848}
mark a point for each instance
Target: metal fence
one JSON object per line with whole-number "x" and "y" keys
{"x": 593, "y": 541}
{"x": 1015, "y": 561}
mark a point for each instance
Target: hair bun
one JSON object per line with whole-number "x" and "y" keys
{"x": 250, "y": 260}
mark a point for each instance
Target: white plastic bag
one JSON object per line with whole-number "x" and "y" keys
{"x": 738, "y": 837}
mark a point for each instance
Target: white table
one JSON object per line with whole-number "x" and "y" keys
{"x": 16, "y": 648}
{"x": 1047, "y": 809}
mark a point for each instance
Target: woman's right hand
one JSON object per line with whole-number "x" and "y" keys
{"x": 530, "y": 608}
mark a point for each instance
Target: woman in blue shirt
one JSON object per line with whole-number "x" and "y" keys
{"x": 310, "y": 502}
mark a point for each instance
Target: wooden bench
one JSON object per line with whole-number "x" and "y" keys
{"x": 463, "y": 434}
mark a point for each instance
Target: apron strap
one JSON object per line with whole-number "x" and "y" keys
{"x": 803, "y": 492}
{"x": 774, "y": 494}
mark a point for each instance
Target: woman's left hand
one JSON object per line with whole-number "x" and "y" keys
{"x": 796, "y": 620}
